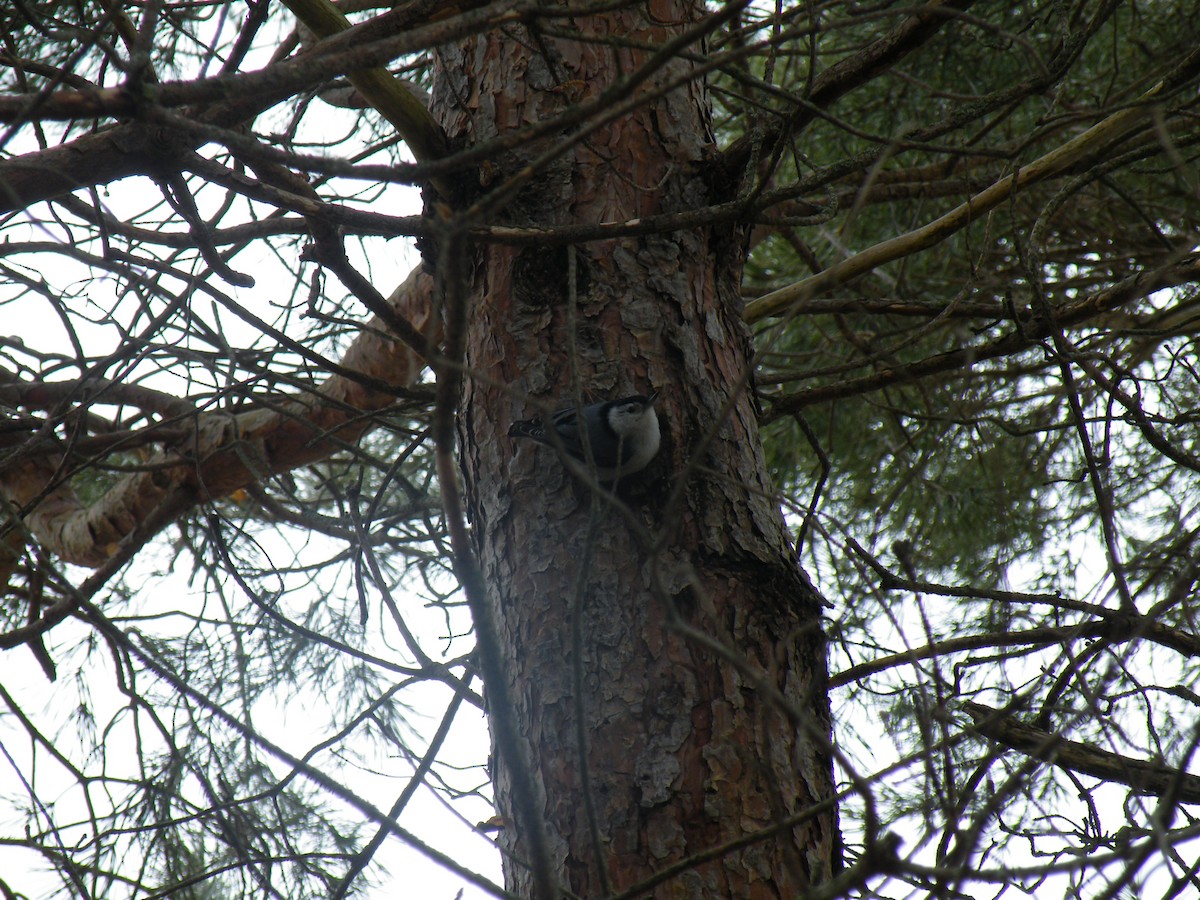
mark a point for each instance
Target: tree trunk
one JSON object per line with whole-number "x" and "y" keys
{"x": 701, "y": 673}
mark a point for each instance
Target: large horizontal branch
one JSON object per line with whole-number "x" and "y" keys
{"x": 134, "y": 148}
{"x": 1144, "y": 777}
{"x": 224, "y": 452}
{"x": 327, "y": 61}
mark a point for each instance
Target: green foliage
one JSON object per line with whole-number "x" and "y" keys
{"x": 998, "y": 452}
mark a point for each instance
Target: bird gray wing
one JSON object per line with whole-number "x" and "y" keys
{"x": 566, "y": 423}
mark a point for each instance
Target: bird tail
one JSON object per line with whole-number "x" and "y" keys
{"x": 529, "y": 428}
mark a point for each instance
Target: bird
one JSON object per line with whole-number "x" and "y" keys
{"x": 623, "y": 434}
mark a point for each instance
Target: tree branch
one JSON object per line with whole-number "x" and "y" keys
{"x": 1134, "y": 287}
{"x": 1144, "y": 777}
{"x": 224, "y": 452}
{"x": 1059, "y": 160}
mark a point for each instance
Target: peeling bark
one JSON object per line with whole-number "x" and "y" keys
{"x": 219, "y": 452}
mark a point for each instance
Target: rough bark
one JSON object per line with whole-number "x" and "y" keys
{"x": 702, "y": 677}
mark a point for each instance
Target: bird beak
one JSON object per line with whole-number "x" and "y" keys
{"x": 650, "y": 400}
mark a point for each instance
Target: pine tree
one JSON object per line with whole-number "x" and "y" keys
{"x": 914, "y": 285}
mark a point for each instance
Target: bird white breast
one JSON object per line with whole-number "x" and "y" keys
{"x": 646, "y": 439}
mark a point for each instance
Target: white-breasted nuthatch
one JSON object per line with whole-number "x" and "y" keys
{"x": 623, "y": 434}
